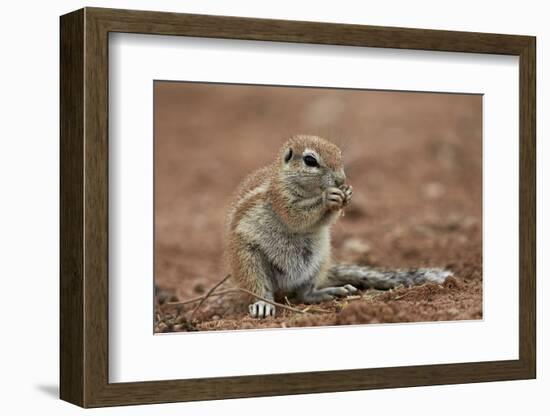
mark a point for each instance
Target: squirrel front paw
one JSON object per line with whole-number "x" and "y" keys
{"x": 261, "y": 309}
{"x": 335, "y": 198}
{"x": 348, "y": 192}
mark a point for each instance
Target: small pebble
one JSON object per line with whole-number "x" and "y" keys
{"x": 162, "y": 327}
{"x": 199, "y": 288}
{"x": 453, "y": 311}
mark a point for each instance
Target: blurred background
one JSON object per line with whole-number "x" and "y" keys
{"x": 414, "y": 160}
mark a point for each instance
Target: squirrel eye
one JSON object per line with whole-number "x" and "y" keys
{"x": 311, "y": 161}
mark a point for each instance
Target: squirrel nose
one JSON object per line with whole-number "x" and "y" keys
{"x": 339, "y": 178}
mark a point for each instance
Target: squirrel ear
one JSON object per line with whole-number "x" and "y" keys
{"x": 288, "y": 155}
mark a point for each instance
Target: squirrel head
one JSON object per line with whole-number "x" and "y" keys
{"x": 311, "y": 164}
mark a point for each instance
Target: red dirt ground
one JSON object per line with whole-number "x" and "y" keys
{"x": 414, "y": 160}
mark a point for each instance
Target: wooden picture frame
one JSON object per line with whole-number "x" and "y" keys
{"x": 84, "y": 207}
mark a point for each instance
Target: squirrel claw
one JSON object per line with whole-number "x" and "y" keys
{"x": 261, "y": 309}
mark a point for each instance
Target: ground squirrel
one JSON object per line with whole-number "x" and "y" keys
{"x": 278, "y": 231}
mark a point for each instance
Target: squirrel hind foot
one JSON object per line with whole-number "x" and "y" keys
{"x": 261, "y": 309}
{"x": 327, "y": 293}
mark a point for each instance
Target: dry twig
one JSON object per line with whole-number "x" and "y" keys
{"x": 207, "y": 295}
{"x": 202, "y": 299}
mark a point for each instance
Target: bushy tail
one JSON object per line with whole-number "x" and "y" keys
{"x": 371, "y": 278}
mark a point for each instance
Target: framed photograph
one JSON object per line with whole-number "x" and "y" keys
{"x": 255, "y": 207}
